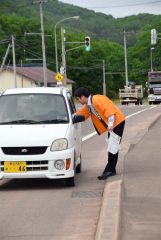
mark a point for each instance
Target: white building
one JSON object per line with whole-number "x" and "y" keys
{"x": 28, "y": 77}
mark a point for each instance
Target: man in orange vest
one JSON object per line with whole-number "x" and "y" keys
{"x": 106, "y": 117}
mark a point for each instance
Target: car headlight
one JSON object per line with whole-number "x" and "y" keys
{"x": 59, "y": 144}
{"x": 59, "y": 164}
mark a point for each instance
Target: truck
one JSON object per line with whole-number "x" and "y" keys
{"x": 154, "y": 87}
{"x": 131, "y": 94}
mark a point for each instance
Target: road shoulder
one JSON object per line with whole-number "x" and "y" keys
{"x": 109, "y": 221}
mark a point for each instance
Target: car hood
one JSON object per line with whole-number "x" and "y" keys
{"x": 31, "y": 135}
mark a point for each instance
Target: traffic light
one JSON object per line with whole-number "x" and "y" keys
{"x": 153, "y": 36}
{"x": 87, "y": 43}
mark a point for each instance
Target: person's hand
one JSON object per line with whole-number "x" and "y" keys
{"x": 78, "y": 118}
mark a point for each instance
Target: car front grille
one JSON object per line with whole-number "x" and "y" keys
{"x": 23, "y": 150}
{"x": 157, "y": 92}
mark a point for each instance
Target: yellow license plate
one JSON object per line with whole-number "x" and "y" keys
{"x": 14, "y": 167}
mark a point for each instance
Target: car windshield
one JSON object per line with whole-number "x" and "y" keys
{"x": 33, "y": 109}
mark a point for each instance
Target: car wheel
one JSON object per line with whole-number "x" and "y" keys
{"x": 79, "y": 166}
{"x": 69, "y": 182}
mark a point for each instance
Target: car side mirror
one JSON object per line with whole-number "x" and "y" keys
{"x": 78, "y": 118}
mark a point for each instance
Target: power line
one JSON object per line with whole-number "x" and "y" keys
{"x": 5, "y": 41}
{"x": 111, "y": 72}
{"x": 21, "y": 45}
{"x": 28, "y": 51}
{"x": 84, "y": 68}
{"x": 32, "y": 53}
{"x": 24, "y": 47}
{"x": 122, "y": 5}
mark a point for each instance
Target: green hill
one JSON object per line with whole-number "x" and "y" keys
{"x": 97, "y": 25}
{"x": 106, "y": 32}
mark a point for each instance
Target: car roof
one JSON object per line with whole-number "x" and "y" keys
{"x": 49, "y": 90}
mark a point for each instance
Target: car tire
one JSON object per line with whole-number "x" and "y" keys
{"x": 70, "y": 182}
{"x": 79, "y": 166}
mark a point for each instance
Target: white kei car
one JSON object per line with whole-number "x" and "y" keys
{"x": 39, "y": 137}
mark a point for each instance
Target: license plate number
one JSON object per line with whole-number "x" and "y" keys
{"x": 14, "y": 167}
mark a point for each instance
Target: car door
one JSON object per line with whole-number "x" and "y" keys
{"x": 76, "y": 130}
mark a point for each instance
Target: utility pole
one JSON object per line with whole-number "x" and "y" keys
{"x": 125, "y": 51}
{"x": 104, "y": 79}
{"x": 14, "y": 60}
{"x": 43, "y": 39}
{"x": 151, "y": 58}
{"x": 4, "y": 59}
{"x": 63, "y": 56}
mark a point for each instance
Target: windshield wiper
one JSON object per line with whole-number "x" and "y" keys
{"x": 53, "y": 121}
{"x": 20, "y": 121}
{"x": 23, "y": 121}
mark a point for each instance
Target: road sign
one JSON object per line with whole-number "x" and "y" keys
{"x": 59, "y": 77}
{"x": 62, "y": 70}
{"x": 153, "y": 36}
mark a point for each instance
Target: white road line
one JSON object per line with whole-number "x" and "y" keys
{"x": 140, "y": 112}
{"x": 88, "y": 136}
{"x": 94, "y": 133}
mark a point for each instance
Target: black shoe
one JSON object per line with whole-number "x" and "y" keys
{"x": 105, "y": 175}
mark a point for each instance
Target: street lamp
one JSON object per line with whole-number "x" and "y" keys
{"x": 56, "y": 50}
{"x": 151, "y": 58}
{"x": 126, "y": 67}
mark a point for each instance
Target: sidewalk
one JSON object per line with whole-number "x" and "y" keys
{"x": 117, "y": 220}
{"x": 141, "y": 209}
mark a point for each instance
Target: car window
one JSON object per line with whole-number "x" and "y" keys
{"x": 71, "y": 104}
{"x": 36, "y": 107}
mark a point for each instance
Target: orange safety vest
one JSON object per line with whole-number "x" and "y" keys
{"x": 105, "y": 108}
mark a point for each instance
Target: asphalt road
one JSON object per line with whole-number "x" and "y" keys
{"x": 47, "y": 210}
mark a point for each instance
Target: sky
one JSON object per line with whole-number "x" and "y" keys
{"x": 119, "y": 8}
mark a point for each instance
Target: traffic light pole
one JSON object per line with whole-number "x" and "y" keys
{"x": 68, "y": 50}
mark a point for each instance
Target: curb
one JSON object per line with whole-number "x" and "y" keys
{"x": 152, "y": 123}
{"x": 108, "y": 228}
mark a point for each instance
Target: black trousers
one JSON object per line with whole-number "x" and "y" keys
{"x": 112, "y": 158}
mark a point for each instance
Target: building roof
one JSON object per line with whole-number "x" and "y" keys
{"x": 36, "y": 74}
